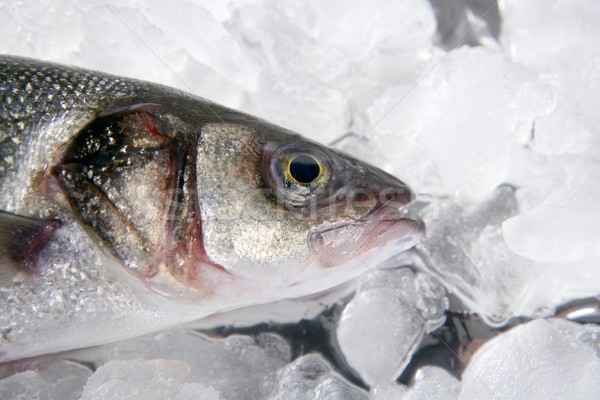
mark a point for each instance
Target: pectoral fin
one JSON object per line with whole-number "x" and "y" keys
{"x": 22, "y": 240}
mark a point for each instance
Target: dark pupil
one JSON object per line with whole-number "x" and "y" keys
{"x": 304, "y": 169}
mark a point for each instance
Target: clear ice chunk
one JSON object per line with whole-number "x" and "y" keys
{"x": 26, "y": 385}
{"x": 542, "y": 359}
{"x": 310, "y": 377}
{"x": 386, "y": 319}
{"x": 464, "y": 248}
{"x": 63, "y": 379}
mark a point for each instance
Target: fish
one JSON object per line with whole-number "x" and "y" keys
{"x": 127, "y": 207}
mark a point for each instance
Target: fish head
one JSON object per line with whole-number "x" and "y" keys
{"x": 283, "y": 211}
{"x": 233, "y": 206}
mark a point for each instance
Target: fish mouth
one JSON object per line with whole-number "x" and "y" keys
{"x": 389, "y": 229}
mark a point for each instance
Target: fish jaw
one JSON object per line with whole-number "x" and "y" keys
{"x": 385, "y": 233}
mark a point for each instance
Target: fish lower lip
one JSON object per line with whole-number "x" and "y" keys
{"x": 389, "y": 225}
{"x": 386, "y": 227}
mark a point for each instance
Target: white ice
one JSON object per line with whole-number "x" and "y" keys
{"x": 140, "y": 40}
{"x": 433, "y": 383}
{"x": 186, "y": 362}
{"x": 430, "y": 383}
{"x": 560, "y": 223}
{"x": 55, "y": 379}
{"x": 315, "y": 80}
{"x": 387, "y": 318}
{"x": 26, "y": 385}
{"x": 145, "y": 380}
{"x": 238, "y": 367}
{"x": 544, "y": 359}
{"x": 455, "y": 132}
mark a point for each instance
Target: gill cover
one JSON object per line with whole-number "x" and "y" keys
{"x": 129, "y": 175}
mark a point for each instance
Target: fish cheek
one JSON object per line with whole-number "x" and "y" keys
{"x": 244, "y": 230}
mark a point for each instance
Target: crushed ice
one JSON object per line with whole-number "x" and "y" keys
{"x": 489, "y": 113}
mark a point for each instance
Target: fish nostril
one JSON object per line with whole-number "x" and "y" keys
{"x": 361, "y": 197}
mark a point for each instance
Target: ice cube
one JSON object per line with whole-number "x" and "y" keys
{"x": 472, "y": 250}
{"x": 310, "y": 377}
{"x": 574, "y": 35}
{"x": 63, "y": 379}
{"x": 388, "y": 316}
{"x": 26, "y": 385}
{"x": 565, "y": 227}
{"x": 540, "y": 360}
{"x": 393, "y": 391}
{"x": 429, "y": 383}
{"x": 187, "y": 25}
{"x": 433, "y": 383}
{"x": 528, "y": 27}
{"x": 145, "y": 380}
{"x": 274, "y": 346}
{"x": 559, "y": 226}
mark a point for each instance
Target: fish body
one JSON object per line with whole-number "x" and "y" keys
{"x": 128, "y": 207}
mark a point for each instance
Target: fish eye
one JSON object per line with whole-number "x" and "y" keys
{"x": 297, "y": 172}
{"x": 304, "y": 169}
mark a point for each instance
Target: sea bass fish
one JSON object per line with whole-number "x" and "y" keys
{"x": 128, "y": 207}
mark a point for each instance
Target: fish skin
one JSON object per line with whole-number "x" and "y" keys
{"x": 156, "y": 208}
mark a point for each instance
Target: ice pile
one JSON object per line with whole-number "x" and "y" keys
{"x": 183, "y": 44}
{"x": 484, "y": 116}
{"x": 315, "y": 80}
{"x": 501, "y": 138}
{"x": 151, "y": 380}
{"x": 236, "y": 367}
{"x": 560, "y": 223}
{"x": 185, "y": 365}
{"x": 458, "y": 250}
